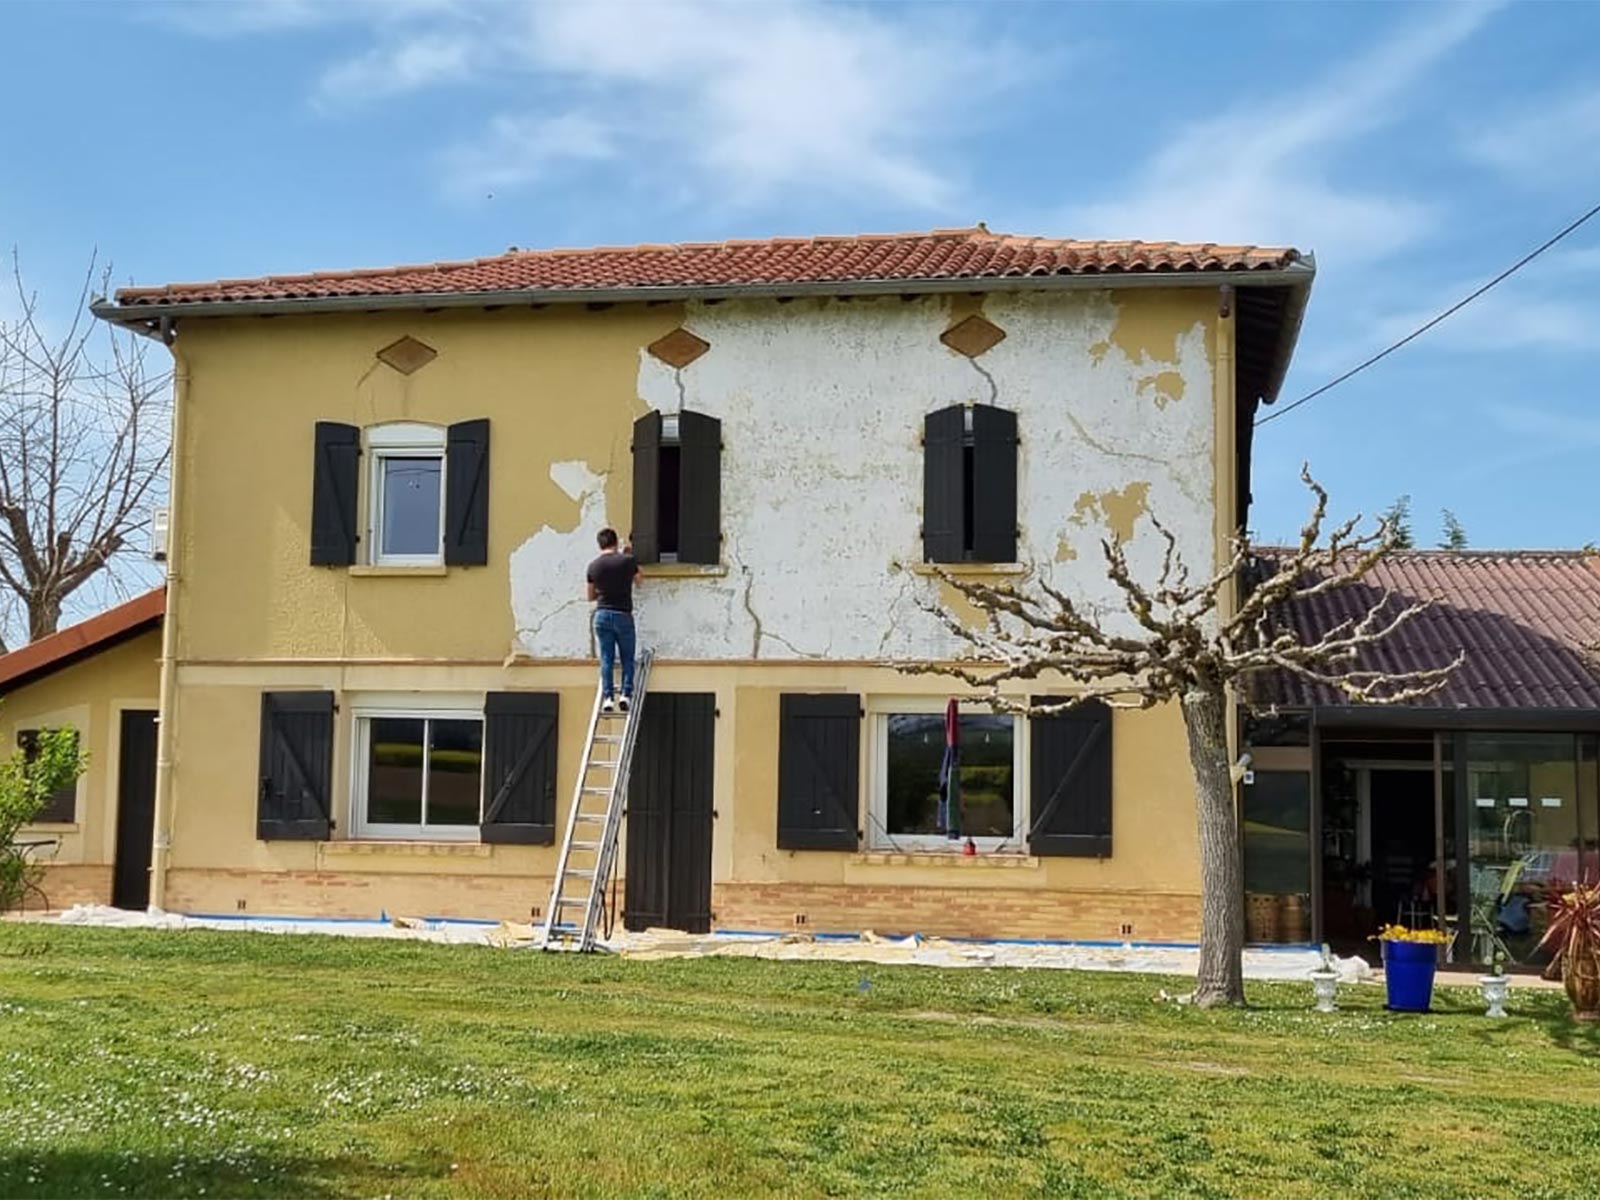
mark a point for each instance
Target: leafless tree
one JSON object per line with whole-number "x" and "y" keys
{"x": 1174, "y": 640}
{"x": 84, "y": 445}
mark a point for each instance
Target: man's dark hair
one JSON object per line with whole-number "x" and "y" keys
{"x": 607, "y": 539}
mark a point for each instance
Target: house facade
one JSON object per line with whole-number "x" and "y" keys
{"x": 376, "y": 666}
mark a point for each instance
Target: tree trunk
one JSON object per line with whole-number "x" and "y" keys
{"x": 1221, "y": 981}
{"x": 44, "y": 615}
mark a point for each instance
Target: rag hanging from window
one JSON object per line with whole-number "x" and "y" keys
{"x": 950, "y": 774}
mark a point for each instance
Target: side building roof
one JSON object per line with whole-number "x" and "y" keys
{"x": 28, "y": 663}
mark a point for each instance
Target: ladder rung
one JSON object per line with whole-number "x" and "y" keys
{"x": 592, "y": 817}
{"x": 581, "y": 872}
{"x": 602, "y": 762}
{"x": 583, "y": 845}
{"x": 607, "y": 737}
{"x": 597, "y": 791}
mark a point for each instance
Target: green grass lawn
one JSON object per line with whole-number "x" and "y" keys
{"x": 232, "y": 1064}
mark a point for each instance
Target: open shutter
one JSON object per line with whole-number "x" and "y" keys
{"x": 466, "y": 495}
{"x": 296, "y": 796}
{"x": 519, "y": 785}
{"x": 819, "y": 767}
{"x": 1071, "y": 801}
{"x": 994, "y": 484}
{"x": 943, "y": 485}
{"x": 333, "y": 495}
{"x": 646, "y": 487}
{"x": 699, "y": 489}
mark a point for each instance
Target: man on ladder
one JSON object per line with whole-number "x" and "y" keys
{"x": 611, "y": 580}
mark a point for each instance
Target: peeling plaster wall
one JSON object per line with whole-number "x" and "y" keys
{"x": 822, "y": 404}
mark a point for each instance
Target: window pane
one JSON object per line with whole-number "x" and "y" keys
{"x": 394, "y": 771}
{"x": 410, "y": 505}
{"x": 915, "y": 751}
{"x": 1277, "y": 833}
{"x": 455, "y": 772}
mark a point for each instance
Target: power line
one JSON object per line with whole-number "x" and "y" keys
{"x": 1422, "y": 329}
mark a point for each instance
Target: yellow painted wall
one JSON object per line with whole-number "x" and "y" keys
{"x": 88, "y": 696}
{"x": 557, "y": 384}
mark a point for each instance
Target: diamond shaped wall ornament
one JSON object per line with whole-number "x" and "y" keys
{"x": 407, "y": 355}
{"x": 679, "y": 348}
{"x": 973, "y": 336}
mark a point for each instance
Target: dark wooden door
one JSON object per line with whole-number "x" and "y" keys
{"x": 136, "y": 810}
{"x": 669, "y": 814}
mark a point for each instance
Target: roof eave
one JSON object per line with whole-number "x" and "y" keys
{"x": 1289, "y": 335}
{"x": 1296, "y": 276}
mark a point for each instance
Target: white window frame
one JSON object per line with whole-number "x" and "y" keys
{"x": 397, "y": 440}
{"x": 879, "y": 710}
{"x": 360, "y": 761}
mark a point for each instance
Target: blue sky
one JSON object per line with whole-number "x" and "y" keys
{"x": 1416, "y": 149}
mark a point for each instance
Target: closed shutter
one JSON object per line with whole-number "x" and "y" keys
{"x": 466, "y": 497}
{"x": 519, "y": 777}
{"x": 699, "y": 488}
{"x": 333, "y": 494}
{"x": 646, "y": 487}
{"x": 296, "y": 799}
{"x": 819, "y": 768}
{"x": 943, "y": 485}
{"x": 1071, "y": 768}
{"x": 994, "y": 484}
{"x": 62, "y": 804}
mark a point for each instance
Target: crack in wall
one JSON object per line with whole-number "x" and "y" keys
{"x": 526, "y": 632}
{"x": 755, "y": 619}
{"x": 994, "y": 388}
{"x": 1102, "y": 448}
{"x": 677, "y": 382}
{"x": 906, "y": 583}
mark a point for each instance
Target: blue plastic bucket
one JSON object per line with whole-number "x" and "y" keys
{"x": 1408, "y": 974}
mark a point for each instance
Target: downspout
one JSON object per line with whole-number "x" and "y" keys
{"x": 166, "y": 731}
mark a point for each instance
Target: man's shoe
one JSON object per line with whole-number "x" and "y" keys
{"x": 610, "y": 705}
{"x": 625, "y": 704}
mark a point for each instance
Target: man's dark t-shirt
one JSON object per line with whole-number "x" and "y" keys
{"x": 612, "y": 576}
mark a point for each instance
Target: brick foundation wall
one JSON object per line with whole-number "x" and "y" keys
{"x": 958, "y": 912}
{"x": 67, "y": 884}
{"x": 355, "y": 894}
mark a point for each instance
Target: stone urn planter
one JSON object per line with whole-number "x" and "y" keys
{"x": 1324, "y": 987}
{"x": 1573, "y": 938}
{"x": 1495, "y": 989}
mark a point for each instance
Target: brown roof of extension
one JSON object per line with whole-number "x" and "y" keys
{"x": 100, "y": 632}
{"x": 1528, "y": 622}
{"x": 943, "y": 254}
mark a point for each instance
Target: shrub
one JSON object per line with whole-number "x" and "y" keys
{"x": 27, "y": 781}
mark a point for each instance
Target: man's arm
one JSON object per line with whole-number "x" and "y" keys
{"x": 591, "y": 592}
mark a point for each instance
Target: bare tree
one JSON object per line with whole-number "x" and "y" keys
{"x": 84, "y": 445}
{"x": 1173, "y": 640}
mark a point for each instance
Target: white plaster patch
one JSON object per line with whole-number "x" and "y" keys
{"x": 821, "y": 403}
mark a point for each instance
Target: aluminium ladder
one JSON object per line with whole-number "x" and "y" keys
{"x": 594, "y": 822}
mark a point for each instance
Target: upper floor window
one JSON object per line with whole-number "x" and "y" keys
{"x": 677, "y": 488}
{"x": 426, "y": 488}
{"x": 407, "y": 497}
{"x": 62, "y": 805}
{"x": 969, "y": 485}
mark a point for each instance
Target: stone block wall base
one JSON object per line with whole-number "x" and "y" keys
{"x": 958, "y": 912}
{"x": 66, "y": 884}
{"x": 355, "y": 894}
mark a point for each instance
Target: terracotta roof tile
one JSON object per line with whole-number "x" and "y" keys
{"x": 941, "y": 254}
{"x": 1527, "y": 621}
{"x": 27, "y": 663}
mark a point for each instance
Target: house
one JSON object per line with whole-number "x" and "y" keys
{"x": 101, "y": 679}
{"x": 376, "y": 666}
{"x": 1469, "y": 801}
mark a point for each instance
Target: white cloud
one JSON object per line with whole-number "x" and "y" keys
{"x": 1537, "y": 310}
{"x": 1559, "y": 431}
{"x": 1552, "y": 140}
{"x": 243, "y": 18}
{"x": 1262, "y": 172}
{"x": 724, "y": 101}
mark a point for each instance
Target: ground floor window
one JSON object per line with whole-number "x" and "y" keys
{"x": 419, "y": 774}
{"x": 914, "y": 808}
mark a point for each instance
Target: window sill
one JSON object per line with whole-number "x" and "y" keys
{"x": 941, "y": 858}
{"x": 972, "y": 570}
{"x": 683, "y": 570}
{"x": 422, "y": 570}
{"x": 388, "y": 849}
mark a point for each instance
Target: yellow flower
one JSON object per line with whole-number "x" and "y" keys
{"x": 1399, "y": 933}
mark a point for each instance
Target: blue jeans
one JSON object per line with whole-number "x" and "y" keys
{"x": 614, "y": 632}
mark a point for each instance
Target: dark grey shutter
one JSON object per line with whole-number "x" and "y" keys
{"x": 943, "y": 479}
{"x": 62, "y": 804}
{"x": 819, "y": 793}
{"x": 296, "y": 796}
{"x": 994, "y": 484}
{"x": 646, "y": 487}
{"x": 519, "y": 776}
{"x": 699, "y": 488}
{"x": 1071, "y": 768}
{"x": 466, "y": 494}
{"x": 333, "y": 494}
